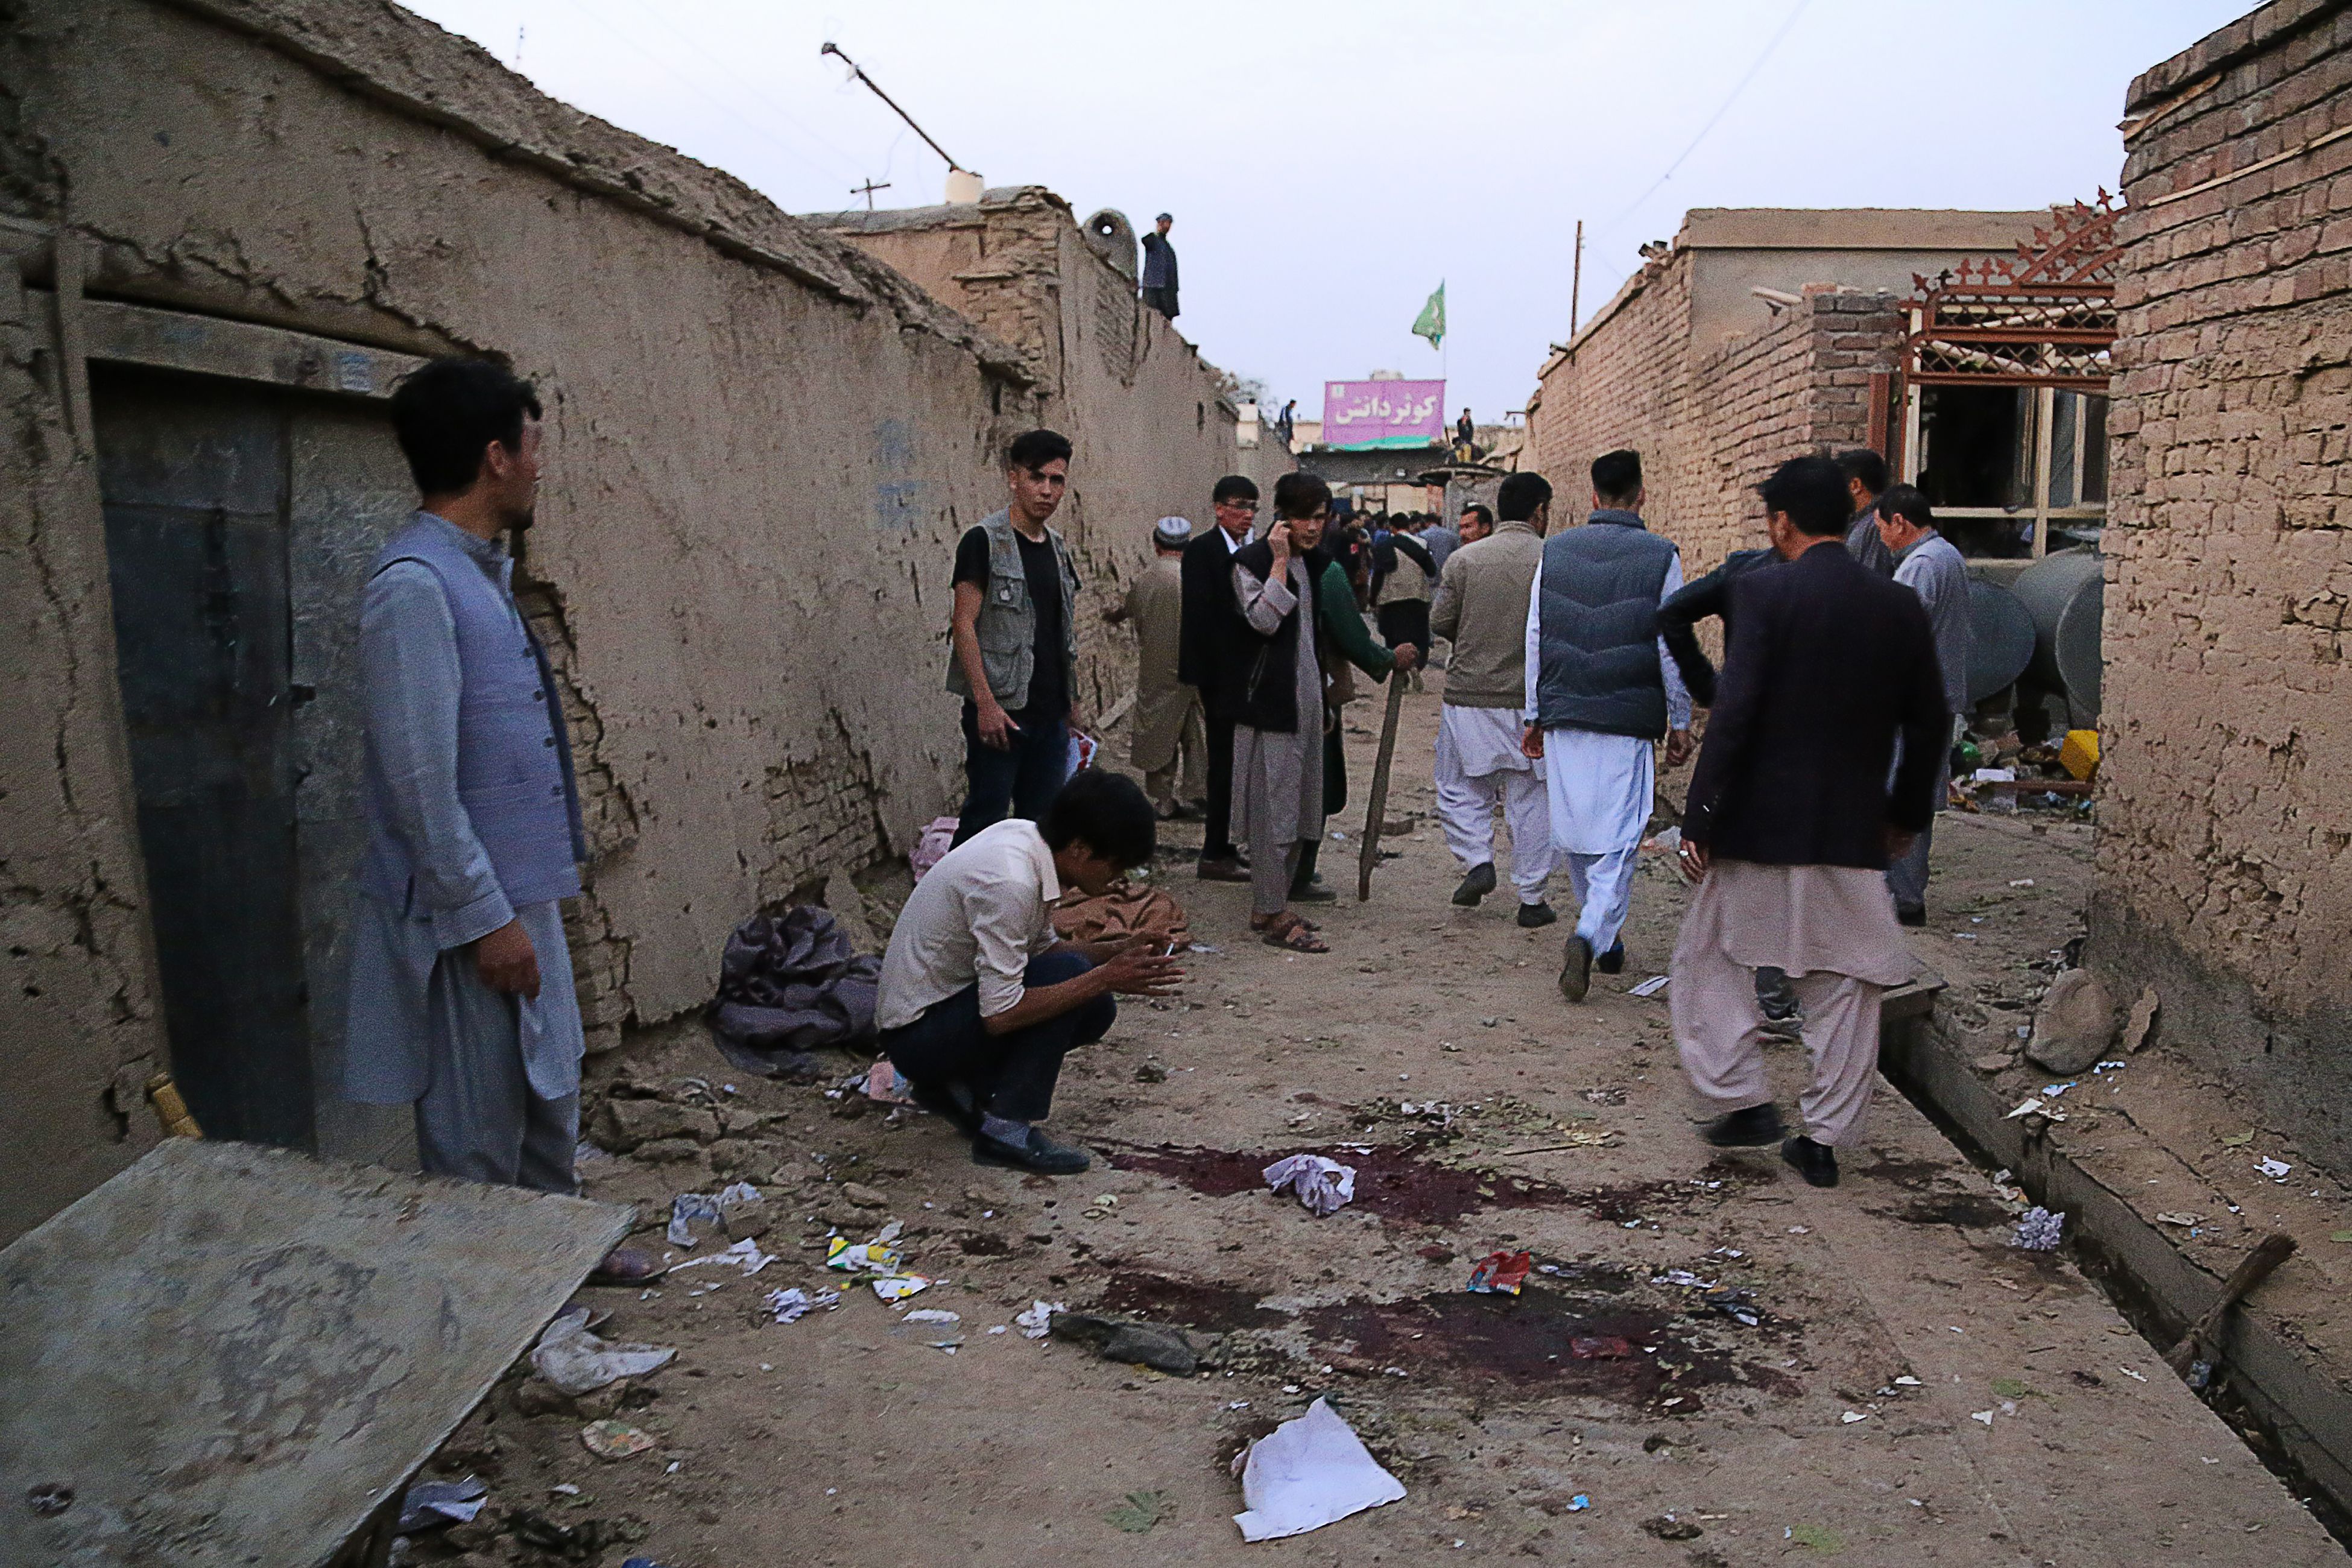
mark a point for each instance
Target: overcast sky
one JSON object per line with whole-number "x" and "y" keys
{"x": 1329, "y": 163}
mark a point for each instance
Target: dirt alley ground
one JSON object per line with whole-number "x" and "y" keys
{"x": 2040, "y": 1430}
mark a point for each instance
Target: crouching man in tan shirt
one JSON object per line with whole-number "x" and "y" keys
{"x": 980, "y": 1001}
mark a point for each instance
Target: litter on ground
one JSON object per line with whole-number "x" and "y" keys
{"x": 430, "y": 1504}
{"x": 576, "y": 1362}
{"x": 791, "y": 1305}
{"x": 1323, "y": 1186}
{"x": 614, "y": 1440}
{"x": 1307, "y": 1473}
{"x": 2039, "y": 1230}
{"x": 1038, "y": 1321}
{"x": 744, "y": 1254}
{"x": 1501, "y": 1273}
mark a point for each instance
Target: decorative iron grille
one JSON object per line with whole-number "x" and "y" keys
{"x": 2043, "y": 318}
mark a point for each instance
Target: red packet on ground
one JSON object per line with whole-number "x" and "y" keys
{"x": 1501, "y": 1273}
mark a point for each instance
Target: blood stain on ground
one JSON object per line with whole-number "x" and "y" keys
{"x": 1195, "y": 1304}
{"x": 1390, "y": 1181}
{"x": 1541, "y": 1340}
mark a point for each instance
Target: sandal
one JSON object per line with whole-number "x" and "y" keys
{"x": 1260, "y": 924}
{"x": 1288, "y": 931}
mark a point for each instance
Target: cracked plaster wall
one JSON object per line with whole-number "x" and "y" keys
{"x": 2223, "y": 872}
{"x": 761, "y": 446}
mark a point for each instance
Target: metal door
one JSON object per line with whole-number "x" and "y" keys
{"x": 239, "y": 524}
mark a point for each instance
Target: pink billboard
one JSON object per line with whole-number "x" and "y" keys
{"x": 1383, "y": 413}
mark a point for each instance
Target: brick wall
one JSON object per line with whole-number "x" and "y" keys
{"x": 1709, "y": 428}
{"x": 2225, "y": 856}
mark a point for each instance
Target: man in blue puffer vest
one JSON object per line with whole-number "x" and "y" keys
{"x": 1602, "y": 691}
{"x": 461, "y": 994}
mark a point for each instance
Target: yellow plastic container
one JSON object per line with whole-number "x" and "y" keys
{"x": 2080, "y": 755}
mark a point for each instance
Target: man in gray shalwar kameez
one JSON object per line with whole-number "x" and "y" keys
{"x": 461, "y": 996}
{"x": 1278, "y": 733}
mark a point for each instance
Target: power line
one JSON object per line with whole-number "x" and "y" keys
{"x": 1721, "y": 110}
{"x": 841, "y": 163}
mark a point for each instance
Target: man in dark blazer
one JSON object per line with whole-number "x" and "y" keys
{"x": 1208, "y": 646}
{"x": 1790, "y": 823}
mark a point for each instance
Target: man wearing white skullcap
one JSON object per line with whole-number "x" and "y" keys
{"x": 1168, "y": 722}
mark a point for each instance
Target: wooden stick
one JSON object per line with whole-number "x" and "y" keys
{"x": 1379, "y": 802}
{"x": 2273, "y": 1250}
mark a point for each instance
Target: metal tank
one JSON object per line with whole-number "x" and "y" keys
{"x": 2066, "y": 596}
{"x": 2001, "y": 638}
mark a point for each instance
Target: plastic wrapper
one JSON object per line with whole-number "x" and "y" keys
{"x": 1501, "y": 1273}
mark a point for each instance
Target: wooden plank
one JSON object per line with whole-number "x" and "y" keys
{"x": 234, "y": 1355}
{"x": 244, "y": 351}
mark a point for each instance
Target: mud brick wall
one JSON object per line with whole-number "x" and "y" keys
{"x": 2224, "y": 878}
{"x": 762, "y": 446}
{"x": 1709, "y": 427}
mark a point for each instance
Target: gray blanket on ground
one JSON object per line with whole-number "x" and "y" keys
{"x": 789, "y": 986}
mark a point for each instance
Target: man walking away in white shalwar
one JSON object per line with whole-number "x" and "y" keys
{"x": 461, "y": 996}
{"x": 1482, "y": 606}
{"x": 1791, "y": 822}
{"x": 1602, "y": 691}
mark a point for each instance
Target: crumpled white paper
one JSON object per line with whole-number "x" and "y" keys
{"x": 1307, "y": 1473}
{"x": 1038, "y": 1321}
{"x": 1324, "y": 1186}
{"x": 576, "y": 1362}
{"x": 744, "y": 1254}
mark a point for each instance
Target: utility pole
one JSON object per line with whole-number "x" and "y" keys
{"x": 867, "y": 190}
{"x": 859, "y": 72}
{"x": 1575, "y": 280}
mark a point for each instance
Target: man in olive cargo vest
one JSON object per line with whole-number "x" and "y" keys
{"x": 1014, "y": 654}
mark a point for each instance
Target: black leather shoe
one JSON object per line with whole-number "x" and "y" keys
{"x": 1312, "y": 893}
{"x": 1475, "y": 886}
{"x": 1040, "y": 1154}
{"x": 1752, "y": 1128}
{"x": 1576, "y": 970}
{"x": 1816, "y": 1162}
{"x": 1223, "y": 869}
{"x": 1917, "y": 917}
{"x": 1613, "y": 962}
{"x": 1535, "y": 916}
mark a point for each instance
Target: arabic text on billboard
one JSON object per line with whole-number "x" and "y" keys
{"x": 1383, "y": 413}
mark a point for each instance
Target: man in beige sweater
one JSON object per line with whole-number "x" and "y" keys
{"x": 1482, "y": 606}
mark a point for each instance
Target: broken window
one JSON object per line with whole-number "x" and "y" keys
{"x": 1999, "y": 488}
{"x": 2005, "y": 406}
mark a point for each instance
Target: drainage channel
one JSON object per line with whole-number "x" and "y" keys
{"x": 2296, "y": 1421}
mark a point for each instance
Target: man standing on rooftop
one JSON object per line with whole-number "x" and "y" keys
{"x": 1160, "y": 268}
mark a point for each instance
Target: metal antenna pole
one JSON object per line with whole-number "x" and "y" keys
{"x": 1575, "y": 280}
{"x": 859, "y": 72}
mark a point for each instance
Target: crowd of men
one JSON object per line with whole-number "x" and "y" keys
{"x": 1574, "y": 662}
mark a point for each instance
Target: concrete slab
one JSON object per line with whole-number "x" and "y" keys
{"x": 233, "y": 1354}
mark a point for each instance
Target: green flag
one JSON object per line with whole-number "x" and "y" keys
{"x": 1432, "y": 322}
